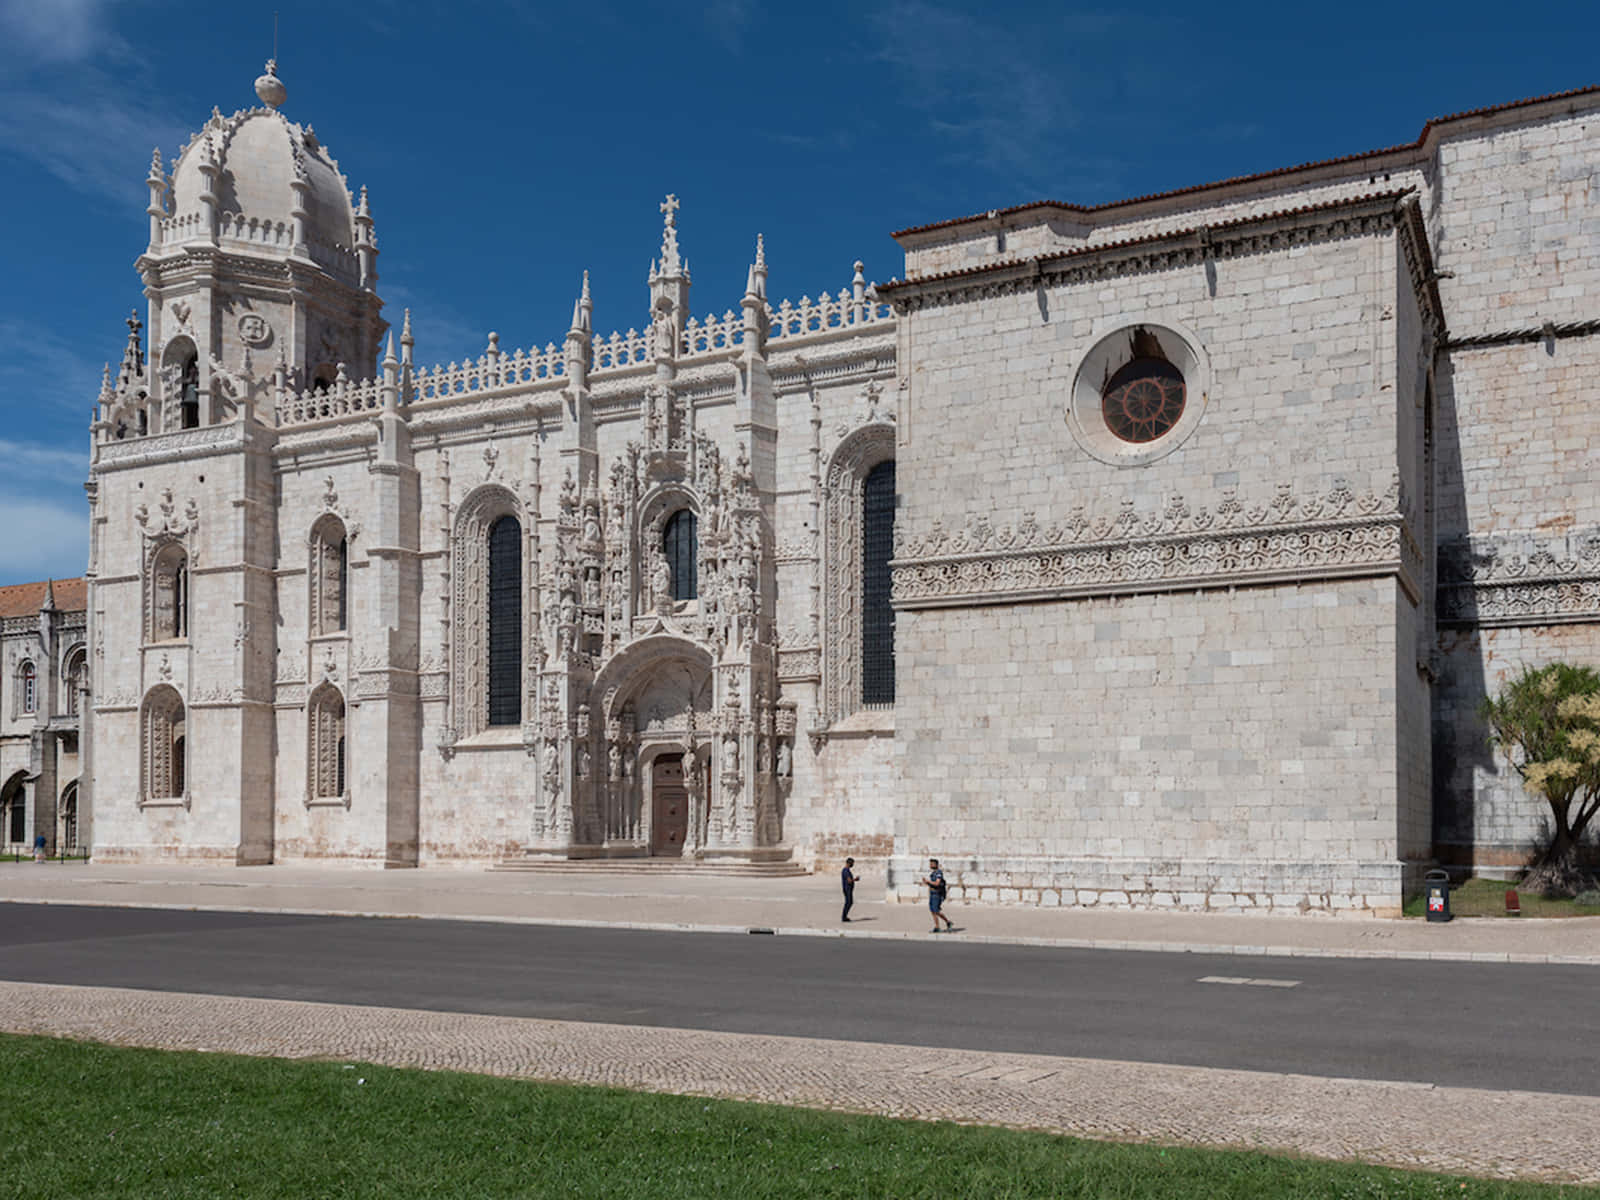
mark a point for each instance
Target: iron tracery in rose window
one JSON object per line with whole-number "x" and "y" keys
{"x": 1143, "y": 400}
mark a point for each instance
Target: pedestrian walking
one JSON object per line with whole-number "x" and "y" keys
{"x": 937, "y": 887}
{"x": 38, "y": 848}
{"x": 849, "y": 879}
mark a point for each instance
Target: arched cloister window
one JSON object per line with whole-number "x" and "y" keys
{"x": 325, "y": 744}
{"x": 169, "y": 593}
{"x": 67, "y": 814}
{"x": 681, "y": 546}
{"x": 164, "y": 744}
{"x": 330, "y": 577}
{"x": 74, "y": 678}
{"x": 859, "y": 509}
{"x": 877, "y": 615}
{"x": 27, "y": 688}
{"x": 14, "y": 810}
{"x": 505, "y": 622}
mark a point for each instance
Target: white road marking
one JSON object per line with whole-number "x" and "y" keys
{"x": 1242, "y": 981}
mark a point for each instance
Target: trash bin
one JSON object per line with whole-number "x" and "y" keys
{"x": 1436, "y": 887}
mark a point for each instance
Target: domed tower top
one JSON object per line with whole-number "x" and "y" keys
{"x": 257, "y": 181}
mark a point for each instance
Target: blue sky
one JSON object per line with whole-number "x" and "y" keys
{"x": 508, "y": 147}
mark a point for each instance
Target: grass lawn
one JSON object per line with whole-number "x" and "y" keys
{"x": 78, "y": 1119}
{"x": 1487, "y": 898}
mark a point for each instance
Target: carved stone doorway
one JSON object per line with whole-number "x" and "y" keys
{"x": 669, "y": 792}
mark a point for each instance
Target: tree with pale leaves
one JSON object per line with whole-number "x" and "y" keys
{"x": 1546, "y": 721}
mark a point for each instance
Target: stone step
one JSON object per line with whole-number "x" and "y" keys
{"x": 650, "y": 866}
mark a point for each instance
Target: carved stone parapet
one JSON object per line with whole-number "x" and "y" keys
{"x": 1338, "y": 535}
{"x": 1519, "y": 579}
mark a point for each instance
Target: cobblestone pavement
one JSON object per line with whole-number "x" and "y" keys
{"x": 806, "y": 905}
{"x": 1502, "y": 1134}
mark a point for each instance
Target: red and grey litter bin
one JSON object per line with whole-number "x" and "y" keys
{"x": 1436, "y": 889}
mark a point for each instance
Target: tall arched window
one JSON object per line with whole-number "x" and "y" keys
{"x": 169, "y": 593}
{"x": 505, "y": 622}
{"x": 75, "y": 678}
{"x": 877, "y": 616}
{"x": 164, "y": 745}
{"x": 28, "y": 688}
{"x": 14, "y": 809}
{"x": 330, "y": 577}
{"x": 325, "y": 744}
{"x": 682, "y": 549}
{"x": 848, "y": 565}
{"x": 68, "y": 816}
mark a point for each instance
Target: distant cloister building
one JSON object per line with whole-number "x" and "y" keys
{"x": 44, "y": 692}
{"x": 1155, "y": 552}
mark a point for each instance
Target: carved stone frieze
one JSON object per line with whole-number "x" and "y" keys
{"x": 164, "y": 447}
{"x": 1338, "y": 534}
{"x": 1512, "y": 579}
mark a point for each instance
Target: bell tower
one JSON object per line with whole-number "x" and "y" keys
{"x": 259, "y": 262}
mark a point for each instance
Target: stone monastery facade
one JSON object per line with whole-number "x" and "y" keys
{"x": 1151, "y": 553}
{"x": 44, "y": 691}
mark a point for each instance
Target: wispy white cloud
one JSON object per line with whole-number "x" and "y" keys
{"x": 58, "y": 31}
{"x": 42, "y": 372}
{"x": 72, "y": 95}
{"x": 56, "y": 463}
{"x": 1006, "y": 95}
{"x": 728, "y": 20}
{"x": 41, "y": 538}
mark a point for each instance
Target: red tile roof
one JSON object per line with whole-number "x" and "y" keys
{"x": 1236, "y": 179}
{"x": 24, "y": 599}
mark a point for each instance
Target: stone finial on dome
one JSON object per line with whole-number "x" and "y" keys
{"x": 270, "y": 88}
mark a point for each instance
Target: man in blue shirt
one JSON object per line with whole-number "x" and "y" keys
{"x": 934, "y": 880}
{"x": 849, "y": 879}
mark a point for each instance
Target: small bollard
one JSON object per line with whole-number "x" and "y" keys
{"x": 1436, "y": 886}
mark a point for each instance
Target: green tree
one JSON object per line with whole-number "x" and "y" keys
{"x": 1547, "y": 723}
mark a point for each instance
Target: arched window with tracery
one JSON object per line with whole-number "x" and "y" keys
{"x": 858, "y": 540}
{"x": 486, "y": 629}
{"x": 164, "y": 745}
{"x": 330, "y": 577}
{"x": 74, "y": 679}
{"x": 325, "y": 742}
{"x": 877, "y": 614}
{"x": 680, "y": 544}
{"x": 168, "y": 586}
{"x": 505, "y": 622}
{"x": 27, "y": 688}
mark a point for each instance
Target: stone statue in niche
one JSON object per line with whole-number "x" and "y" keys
{"x": 785, "y": 760}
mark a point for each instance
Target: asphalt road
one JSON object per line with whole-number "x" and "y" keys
{"x": 1456, "y": 1024}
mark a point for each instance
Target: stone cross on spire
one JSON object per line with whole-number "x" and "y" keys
{"x": 670, "y": 264}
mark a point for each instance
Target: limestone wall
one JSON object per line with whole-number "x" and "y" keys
{"x": 1230, "y": 750}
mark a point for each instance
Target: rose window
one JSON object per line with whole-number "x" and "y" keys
{"x": 1143, "y": 400}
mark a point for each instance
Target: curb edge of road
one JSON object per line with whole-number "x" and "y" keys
{"x": 1204, "y": 948}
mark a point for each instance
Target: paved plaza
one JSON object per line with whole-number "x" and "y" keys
{"x": 1500, "y": 1134}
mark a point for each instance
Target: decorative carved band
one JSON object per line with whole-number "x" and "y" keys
{"x": 165, "y": 447}
{"x": 1520, "y": 580}
{"x": 1339, "y": 535}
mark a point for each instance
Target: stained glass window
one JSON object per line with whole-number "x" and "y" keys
{"x": 877, "y": 617}
{"x": 505, "y": 622}
{"x": 1143, "y": 400}
{"x": 681, "y": 546}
